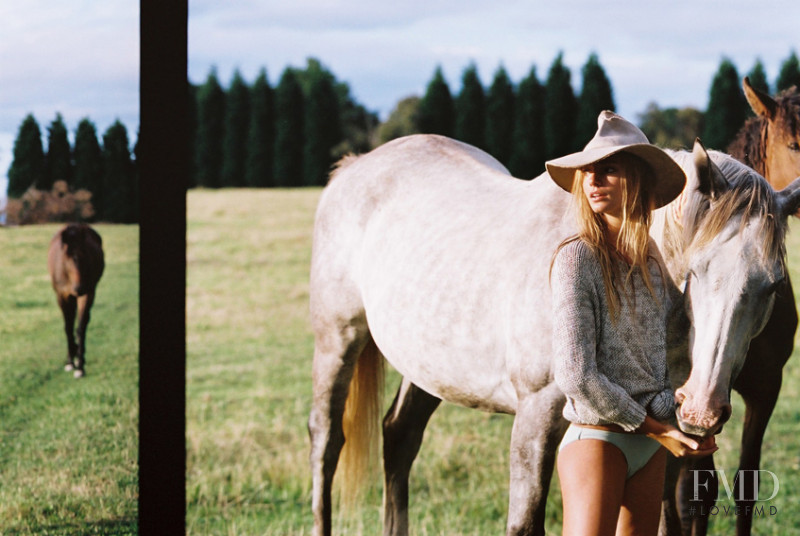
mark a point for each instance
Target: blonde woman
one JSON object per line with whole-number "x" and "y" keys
{"x": 612, "y": 295}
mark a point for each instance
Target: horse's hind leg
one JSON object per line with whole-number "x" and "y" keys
{"x": 335, "y": 354}
{"x": 403, "y": 428}
{"x": 68, "y": 305}
{"x": 84, "y": 306}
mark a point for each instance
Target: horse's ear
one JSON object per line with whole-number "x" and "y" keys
{"x": 710, "y": 180}
{"x": 761, "y": 103}
{"x": 789, "y": 198}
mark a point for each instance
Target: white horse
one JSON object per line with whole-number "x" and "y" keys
{"x": 428, "y": 253}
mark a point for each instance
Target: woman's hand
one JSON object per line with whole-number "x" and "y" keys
{"x": 678, "y": 443}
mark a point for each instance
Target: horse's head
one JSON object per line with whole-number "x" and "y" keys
{"x": 732, "y": 263}
{"x": 780, "y": 133}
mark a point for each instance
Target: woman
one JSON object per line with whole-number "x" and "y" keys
{"x": 612, "y": 297}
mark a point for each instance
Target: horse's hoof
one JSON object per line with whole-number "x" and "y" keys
{"x": 79, "y": 374}
{"x": 68, "y": 367}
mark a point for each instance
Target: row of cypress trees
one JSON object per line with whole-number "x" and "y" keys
{"x": 291, "y": 134}
{"x": 286, "y": 136}
{"x": 521, "y": 126}
{"x": 107, "y": 171}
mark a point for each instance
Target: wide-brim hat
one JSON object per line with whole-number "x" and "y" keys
{"x": 616, "y": 135}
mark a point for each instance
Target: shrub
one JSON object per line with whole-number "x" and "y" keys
{"x": 58, "y": 205}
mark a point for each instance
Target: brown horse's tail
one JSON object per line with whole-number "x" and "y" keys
{"x": 361, "y": 424}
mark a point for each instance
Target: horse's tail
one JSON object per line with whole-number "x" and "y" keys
{"x": 361, "y": 423}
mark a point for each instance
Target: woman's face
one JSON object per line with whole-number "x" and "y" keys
{"x": 602, "y": 186}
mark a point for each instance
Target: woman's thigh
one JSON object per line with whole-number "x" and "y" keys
{"x": 641, "y": 502}
{"x": 592, "y": 475}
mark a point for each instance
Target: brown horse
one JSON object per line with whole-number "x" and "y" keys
{"x": 768, "y": 143}
{"x": 75, "y": 262}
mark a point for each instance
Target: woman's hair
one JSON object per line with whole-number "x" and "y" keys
{"x": 634, "y": 235}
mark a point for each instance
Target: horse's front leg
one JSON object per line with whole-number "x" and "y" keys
{"x": 68, "y": 306}
{"x": 698, "y": 487}
{"x": 537, "y": 431}
{"x": 403, "y": 428}
{"x": 758, "y": 409}
{"x": 670, "y": 517}
{"x": 84, "y": 306}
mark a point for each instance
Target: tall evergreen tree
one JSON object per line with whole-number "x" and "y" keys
{"x": 289, "y": 118}
{"x": 27, "y": 165}
{"x": 789, "y": 74}
{"x": 727, "y": 107}
{"x": 560, "y": 111}
{"x": 261, "y": 133}
{"x": 58, "y": 160}
{"x": 119, "y": 191}
{"x": 88, "y": 158}
{"x": 758, "y": 77}
{"x": 210, "y": 132}
{"x": 528, "y": 157}
{"x": 237, "y": 122}
{"x": 322, "y": 127}
{"x": 596, "y": 96}
{"x": 437, "y": 109}
{"x": 471, "y": 109}
{"x": 500, "y": 117}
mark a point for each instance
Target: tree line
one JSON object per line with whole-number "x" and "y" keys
{"x": 86, "y": 181}
{"x": 291, "y": 134}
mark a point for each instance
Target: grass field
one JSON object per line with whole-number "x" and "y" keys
{"x": 68, "y": 448}
{"x": 248, "y": 393}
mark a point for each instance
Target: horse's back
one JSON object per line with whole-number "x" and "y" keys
{"x": 435, "y": 246}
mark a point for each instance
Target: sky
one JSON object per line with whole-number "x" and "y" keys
{"x": 81, "y": 58}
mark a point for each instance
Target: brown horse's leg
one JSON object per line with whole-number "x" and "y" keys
{"x": 403, "y": 428}
{"x": 759, "y": 383}
{"x": 335, "y": 356}
{"x": 537, "y": 431}
{"x": 698, "y": 476}
{"x": 68, "y": 305}
{"x": 84, "y": 307}
{"x": 759, "y": 404}
{"x": 670, "y": 517}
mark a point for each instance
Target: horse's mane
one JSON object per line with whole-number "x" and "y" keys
{"x": 750, "y": 197}
{"x": 343, "y": 163}
{"x": 750, "y": 144}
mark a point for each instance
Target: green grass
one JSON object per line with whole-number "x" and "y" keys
{"x": 68, "y": 448}
{"x": 249, "y": 389}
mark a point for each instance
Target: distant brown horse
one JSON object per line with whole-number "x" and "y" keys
{"x": 768, "y": 143}
{"x": 75, "y": 262}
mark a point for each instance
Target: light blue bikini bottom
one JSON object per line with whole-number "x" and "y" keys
{"x": 637, "y": 448}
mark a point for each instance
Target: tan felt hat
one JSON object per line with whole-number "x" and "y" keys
{"x": 615, "y": 135}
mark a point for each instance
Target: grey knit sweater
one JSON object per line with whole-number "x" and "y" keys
{"x": 611, "y": 373}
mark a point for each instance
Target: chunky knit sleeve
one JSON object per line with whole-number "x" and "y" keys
{"x": 577, "y": 317}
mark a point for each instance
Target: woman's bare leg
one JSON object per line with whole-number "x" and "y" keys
{"x": 641, "y": 503}
{"x": 592, "y": 475}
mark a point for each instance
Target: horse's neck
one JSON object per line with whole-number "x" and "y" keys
{"x": 750, "y": 145}
{"x": 667, "y": 231}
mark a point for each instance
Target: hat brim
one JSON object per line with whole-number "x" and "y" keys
{"x": 667, "y": 183}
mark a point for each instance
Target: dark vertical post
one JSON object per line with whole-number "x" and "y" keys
{"x": 164, "y": 174}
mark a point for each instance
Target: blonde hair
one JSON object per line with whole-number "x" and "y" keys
{"x": 633, "y": 240}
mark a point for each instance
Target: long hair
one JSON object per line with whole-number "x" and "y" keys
{"x": 632, "y": 244}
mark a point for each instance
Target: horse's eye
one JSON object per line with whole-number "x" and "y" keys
{"x": 794, "y": 146}
{"x": 774, "y": 286}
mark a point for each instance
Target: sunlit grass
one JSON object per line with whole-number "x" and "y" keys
{"x": 68, "y": 448}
